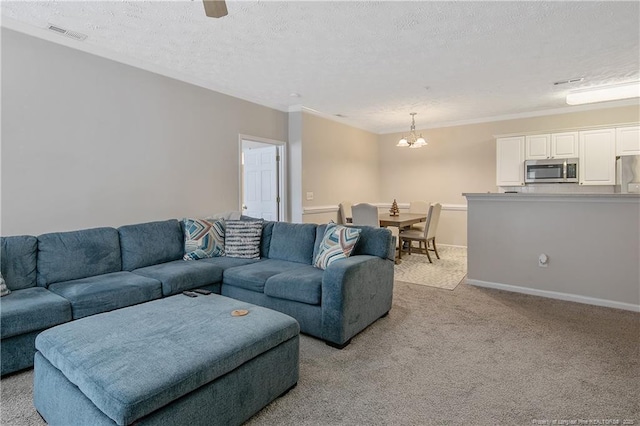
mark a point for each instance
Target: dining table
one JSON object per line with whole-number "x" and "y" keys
{"x": 401, "y": 221}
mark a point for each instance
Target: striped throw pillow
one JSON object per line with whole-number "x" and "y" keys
{"x": 242, "y": 238}
{"x": 337, "y": 243}
{"x": 203, "y": 239}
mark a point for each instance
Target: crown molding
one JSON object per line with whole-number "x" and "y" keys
{"x": 540, "y": 113}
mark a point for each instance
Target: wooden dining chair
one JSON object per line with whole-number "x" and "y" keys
{"x": 344, "y": 212}
{"x": 424, "y": 238}
{"x": 365, "y": 214}
{"x": 419, "y": 207}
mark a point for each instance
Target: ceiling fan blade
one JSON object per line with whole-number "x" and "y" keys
{"x": 215, "y": 8}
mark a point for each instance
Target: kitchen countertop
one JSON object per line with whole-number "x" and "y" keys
{"x": 519, "y": 196}
{"x": 548, "y": 195}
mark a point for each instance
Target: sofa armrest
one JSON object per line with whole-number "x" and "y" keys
{"x": 355, "y": 292}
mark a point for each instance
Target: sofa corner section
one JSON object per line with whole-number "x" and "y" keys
{"x": 355, "y": 293}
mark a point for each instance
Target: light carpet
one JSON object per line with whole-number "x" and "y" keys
{"x": 446, "y": 272}
{"x": 472, "y": 356}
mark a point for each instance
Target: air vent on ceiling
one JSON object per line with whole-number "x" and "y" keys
{"x": 570, "y": 81}
{"x": 71, "y": 34}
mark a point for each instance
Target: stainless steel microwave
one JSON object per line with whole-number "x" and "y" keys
{"x": 563, "y": 170}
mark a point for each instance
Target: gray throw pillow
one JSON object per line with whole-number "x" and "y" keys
{"x": 242, "y": 238}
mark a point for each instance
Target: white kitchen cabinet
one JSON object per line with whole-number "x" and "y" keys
{"x": 628, "y": 140}
{"x": 597, "y": 163}
{"x": 537, "y": 147}
{"x": 554, "y": 145}
{"x": 565, "y": 145}
{"x": 510, "y": 161}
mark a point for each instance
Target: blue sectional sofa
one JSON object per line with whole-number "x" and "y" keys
{"x": 63, "y": 276}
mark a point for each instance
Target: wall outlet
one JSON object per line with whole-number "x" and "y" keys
{"x": 309, "y": 196}
{"x": 543, "y": 260}
{"x": 633, "y": 188}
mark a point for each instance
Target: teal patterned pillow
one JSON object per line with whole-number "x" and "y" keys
{"x": 337, "y": 243}
{"x": 4, "y": 290}
{"x": 203, "y": 239}
{"x": 242, "y": 238}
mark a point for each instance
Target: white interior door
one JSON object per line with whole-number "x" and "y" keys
{"x": 260, "y": 194}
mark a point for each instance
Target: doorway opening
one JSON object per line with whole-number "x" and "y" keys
{"x": 262, "y": 178}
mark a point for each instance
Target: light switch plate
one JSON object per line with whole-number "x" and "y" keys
{"x": 309, "y": 196}
{"x": 633, "y": 188}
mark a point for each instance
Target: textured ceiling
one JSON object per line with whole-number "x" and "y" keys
{"x": 373, "y": 62}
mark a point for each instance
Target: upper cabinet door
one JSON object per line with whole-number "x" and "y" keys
{"x": 537, "y": 147}
{"x": 564, "y": 145}
{"x": 597, "y": 157}
{"x": 510, "y": 161}
{"x": 628, "y": 140}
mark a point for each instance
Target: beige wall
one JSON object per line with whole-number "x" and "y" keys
{"x": 340, "y": 162}
{"x": 462, "y": 159}
{"x": 89, "y": 142}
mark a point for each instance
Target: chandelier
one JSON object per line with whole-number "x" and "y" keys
{"x": 412, "y": 141}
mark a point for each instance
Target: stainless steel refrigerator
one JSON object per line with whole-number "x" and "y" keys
{"x": 628, "y": 174}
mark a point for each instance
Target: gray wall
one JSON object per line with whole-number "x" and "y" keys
{"x": 592, "y": 242}
{"x": 88, "y": 142}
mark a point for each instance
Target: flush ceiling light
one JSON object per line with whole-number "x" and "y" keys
{"x": 412, "y": 141}
{"x": 606, "y": 93}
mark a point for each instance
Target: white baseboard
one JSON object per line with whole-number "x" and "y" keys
{"x": 556, "y": 295}
{"x": 451, "y": 245}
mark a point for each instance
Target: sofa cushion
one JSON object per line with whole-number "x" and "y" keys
{"x": 18, "y": 265}
{"x": 301, "y": 284}
{"x": 253, "y": 277}
{"x": 265, "y": 240}
{"x": 203, "y": 238}
{"x": 65, "y": 256}
{"x": 32, "y": 309}
{"x": 293, "y": 242}
{"x": 181, "y": 275}
{"x": 150, "y": 243}
{"x": 107, "y": 292}
{"x": 338, "y": 243}
{"x": 375, "y": 242}
{"x": 225, "y": 262}
{"x": 242, "y": 238}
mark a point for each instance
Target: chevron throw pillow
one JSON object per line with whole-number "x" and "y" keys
{"x": 203, "y": 239}
{"x": 4, "y": 290}
{"x": 337, "y": 243}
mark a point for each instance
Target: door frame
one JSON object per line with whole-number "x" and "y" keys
{"x": 281, "y": 172}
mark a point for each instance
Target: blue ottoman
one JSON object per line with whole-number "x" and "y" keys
{"x": 177, "y": 360}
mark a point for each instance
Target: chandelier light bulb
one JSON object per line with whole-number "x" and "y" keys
{"x": 412, "y": 141}
{"x": 403, "y": 142}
